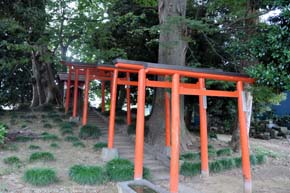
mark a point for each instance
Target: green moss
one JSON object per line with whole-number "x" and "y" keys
{"x": 190, "y": 169}
{"x": 71, "y": 138}
{"x": 41, "y": 156}
{"x": 224, "y": 152}
{"x": 78, "y": 144}
{"x": 87, "y": 175}
{"x": 100, "y": 145}
{"x": 89, "y": 131}
{"x": 13, "y": 160}
{"x": 47, "y": 126}
{"x": 190, "y": 156}
{"x": 40, "y": 176}
{"x": 33, "y": 147}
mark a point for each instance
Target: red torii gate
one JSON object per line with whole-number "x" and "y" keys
{"x": 178, "y": 88}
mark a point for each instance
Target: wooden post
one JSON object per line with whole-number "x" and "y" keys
{"x": 76, "y": 92}
{"x": 103, "y": 95}
{"x": 86, "y": 98}
{"x": 139, "y": 146}
{"x": 246, "y": 166}
{"x": 167, "y": 119}
{"x": 175, "y": 139}
{"x": 203, "y": 130}
{"x": 112, "y": 110}
{"x": 67, "y": 94}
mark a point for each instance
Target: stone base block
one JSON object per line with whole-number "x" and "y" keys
{"x": 127, "y": 187}
{"x": 109, "y": 154}
{"x": 74, "y": 119}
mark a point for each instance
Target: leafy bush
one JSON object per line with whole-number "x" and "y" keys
{"x": 3, "y": 132}
{"x": 190, "y": 169}
{"x": 41, "y": 156}
{"x": 33, "y": 147}
{"x": 89, "y": 131}
{"x": 40, "y": 176}
{"x": 224, "y": 152}
{"x": 71, "y": 138}
{"x": 100, "y": 145}
{"x": 13, "y": 160}
{"x": 90, "y": 175}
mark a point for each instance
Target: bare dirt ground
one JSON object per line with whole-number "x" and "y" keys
{"x": 272, "y": 177}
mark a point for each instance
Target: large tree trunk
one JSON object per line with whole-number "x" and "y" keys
{"x": 172, "y": 50}
{"x": 44, "y": 89}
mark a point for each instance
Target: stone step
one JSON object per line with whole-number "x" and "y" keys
{"x": 160, "y": 175}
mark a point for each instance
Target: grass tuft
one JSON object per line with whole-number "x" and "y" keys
{"x": 87, "y": 175}
{"x": 261, "y": 159}
{"x": 40, "y": 176}
{"x": 224, "y": 152}
{"x": 47, "y": 126}
{"x": 253, "y": 160}
{"x": 66, "y": 125}
{"x": 49, "y": 137}
{"x": 10, "y": 147}
{"x": 100, "y": 145}
{"x": 13, "y": 160}
{"x": 215, "y": 166}
{"x": 67, "y": 132}
{"x": 21, "y": 138}
{"x": 34, "y": 147}
{"x": 89, "y": 131}
{"x": 238, "y": 162}
{"x": 78, "y": 144}
{"x": 227, "y": 163}
{"x": 190, "y": 156}
{"x": 54, "y": 145}
{"x": 71, "y": 138}
{"x": 41, "y": 156}
{"x": 190, "y": 169}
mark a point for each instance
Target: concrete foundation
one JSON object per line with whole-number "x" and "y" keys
{"x": 74, "y": 119}
{"x": 109, "y": 154}
{"x": 124, "y": 187}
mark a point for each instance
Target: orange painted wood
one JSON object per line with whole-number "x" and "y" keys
{"x": 86, "y": 98}
{"x": 167, "y": 119}
{"x": 67, "y": 94}
{"x": 75, "y": 102}
{"x": 129, "y": 121}
{"x": 214, "y": 93}
{"x": 103, "y": 95}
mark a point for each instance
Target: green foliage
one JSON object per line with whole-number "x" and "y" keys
{"x": 67, "y": 132}
{"x": 21, "y": 138}
{"x": 266, "y": 152}
{"x": 10, "y": 147}
{"x": 49, "y": 137}
{"x": 253, "y": 160}
{"x": 261, "y": 159}
{"x": 224, "y": 152}
{"x": 100, "y": 145}
{"x": 71, "y": 138}
{"x": 13, "y": 160}
{"x": 227, "y": 163}
{"x": 66, "y": 125}
{"x": 40, "y": 176}
{"x": 41, "y": 156}
{"x": 3, "y": 132}
{"x": 122, "y": 170}
{"x": 190, "y": 169}
{"x": 89, "y": 131}
{"x": 78, "y": 144}
{"x": 216, "y": 166}
{"x": 34, "y": 147}
{"x": 190, "y": 156}
{"x": 87, "y": 175}
{"x": 54, "y": 145}
{"x": 238, "y": 162}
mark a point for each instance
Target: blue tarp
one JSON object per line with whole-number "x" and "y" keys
{"x": 283, "y": 108}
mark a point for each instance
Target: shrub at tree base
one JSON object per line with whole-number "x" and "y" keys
{"x": 40, "y": 176}
{"x": 41, "y": 156}
{"x": 123, "y": 170}
{"x": 89, "y": 131}
{"x": 87, "y": 175}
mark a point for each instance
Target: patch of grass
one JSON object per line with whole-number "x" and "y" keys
{"x": 89, "y": 131}
{"x": 41, "y": 156}
{"x": 57, "y": 120}
{"x": 13, "y": 122}
{"x": 28, "y": 121}
{"x": 21, "y": 138}
{"x": 190, "y": 156}
{"x": 122, "y": 170}
{"x": 34, "y": 147}
{"x": 47, "y": 126}
{"x": 10, "y": 147}
{"x": 66, "y": 125}
{"x": 87, "y": 175}
{"x": 78, "y": 144}
{"x": 12, "y": 160}
{"x": 52, "y": 115}
{"x": 238, "y": 162}
{"x": 224, "y": 152}
{"x": 54, "y": 145}
{"x": 227, "y": 163}
{"x": 67, "y": 132}
{"x": 71, "y": 138}
{"x": 266, "y": 152}
{"x": 23, "y": 125}
{"x": 40, "y": 176}
{"x": 49, "y": 137}
{"x": 100, "y": 145}
{"x": 253, "y": 160}
{"x": 215, "y": 166}
{"x": 261, "y": 159}
{"x": 212, "y": 153}
{"x": 190, "y": 169}
{"x": 210, "y": 146}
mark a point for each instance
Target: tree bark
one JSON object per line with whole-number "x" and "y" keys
{"x": 172, "y": 50}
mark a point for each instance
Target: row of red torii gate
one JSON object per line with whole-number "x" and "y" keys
{"x": 172, "y": 79}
